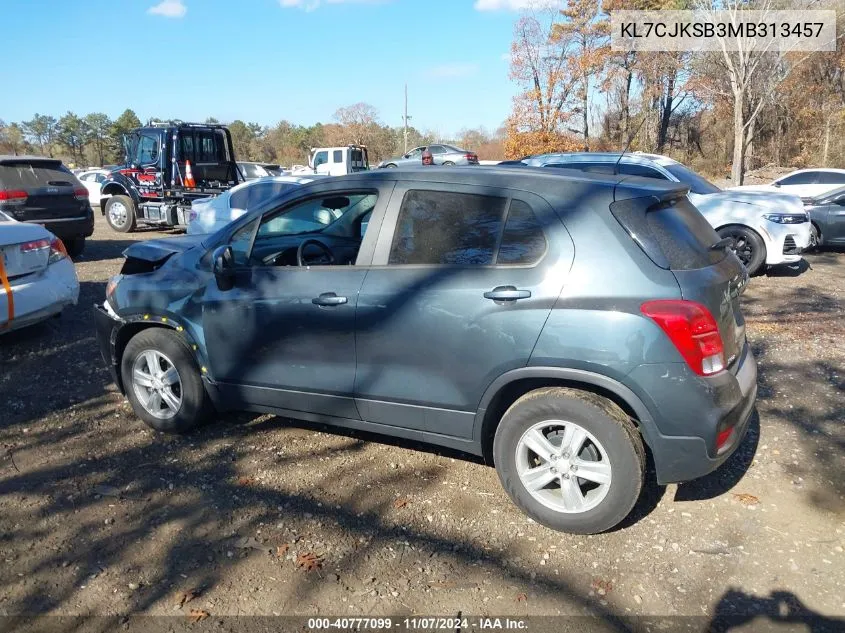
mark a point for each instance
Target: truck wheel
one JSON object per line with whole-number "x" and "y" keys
{"x": 120, "y": 213}
{"x": 162, "y": 381}
{"x": 74, "y": 246}
{"x": 571, "y": 460}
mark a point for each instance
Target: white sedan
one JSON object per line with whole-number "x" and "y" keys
{"x": 92, "y": 180}
{"x": 805, "y": 183}
{"x": 37, "y": 278}
{"x": 208, "y": 215}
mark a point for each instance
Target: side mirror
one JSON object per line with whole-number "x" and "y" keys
{"x": 776, "y": 184}
{"x": 223, "y": 267}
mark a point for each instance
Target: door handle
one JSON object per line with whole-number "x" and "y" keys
{"x": 506, "y": 293}
{"x": 328, "y": 299}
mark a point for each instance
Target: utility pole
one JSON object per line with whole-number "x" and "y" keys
{"x": 405, "y": 119}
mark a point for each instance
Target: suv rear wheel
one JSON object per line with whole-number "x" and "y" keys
{"x": 162, "y": 381}
{"x": 571, "y": 460}
{"x": 74, "y": 246}
{"x": 120, "y": 213}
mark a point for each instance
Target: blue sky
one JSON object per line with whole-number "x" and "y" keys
{"x": 261, "y": 60}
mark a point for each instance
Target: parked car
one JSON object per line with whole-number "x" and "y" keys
{"x": 805, "y": 183}
{"x": 212, "y": 214}
{"x": 43, "y": 191}
{"x": 92, "y": 180}
{"x": 446, "y": 155}
{"x": 767, "y": 228}
{"x": 556, "y": 324}
{"x": 37, "y": 278}
{"x": 251, "y": 171}
{"x": 827, "y": 213}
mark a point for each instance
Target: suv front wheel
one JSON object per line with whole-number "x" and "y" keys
{"x": 162, "y": 381}
{"x": 573, "y": 461}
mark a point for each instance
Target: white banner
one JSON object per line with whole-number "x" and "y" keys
{"x": 723, "y": 30}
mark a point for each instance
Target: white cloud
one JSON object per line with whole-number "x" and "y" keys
{"x": 513, "y": 5}
{"x": 452, "y": 71}
{"x": 311, "y": 5}
{"x": 169, "y": 9}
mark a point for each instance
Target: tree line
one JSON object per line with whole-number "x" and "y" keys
{"x": 94, "y": 139}
{"x": 722, "y": 112}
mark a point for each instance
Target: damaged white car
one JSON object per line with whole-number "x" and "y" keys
{"x": 37, "y": 278}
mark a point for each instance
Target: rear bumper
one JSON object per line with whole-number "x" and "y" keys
{"x": 44, "y": 296}
{"x": 691, "y": 413}
{"x": 71, "y": 227}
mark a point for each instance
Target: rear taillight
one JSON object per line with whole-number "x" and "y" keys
{"x": 37, "y": 245}
{"x": 57, "y": 251}
{"x": 722, "y": 437}
{"x": 471, "y": 157}
{"x": 693, "y": 331}
{"x": 81, "y": 193}
{"x": 13, "y": 196}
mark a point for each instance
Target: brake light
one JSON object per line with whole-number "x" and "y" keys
{"x": 13, "y": 196}
{"x": 57, "y": 251}
{"x": 693, "y": 331}
{"x": 81, "y": 193}
{"x": 723, "y": 436}
{"x": 37, "y": 245}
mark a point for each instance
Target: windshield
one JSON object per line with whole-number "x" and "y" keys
{"x": 697, "y": 184}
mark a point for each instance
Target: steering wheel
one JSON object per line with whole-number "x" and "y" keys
{"x": 326, "y": 259}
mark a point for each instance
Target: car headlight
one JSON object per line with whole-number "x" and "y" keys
{"x": 787, "y": 218}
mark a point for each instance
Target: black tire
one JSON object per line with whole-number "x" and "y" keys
{"x": 749, "y": 246}
{"x": 121, "y": 222}
{"x": 390, "y": 166}
{"x": 195, "y": 406}
{"x": 448, "y": 163}
{"x": 598, "y": 416}
{"x": 74, "y": 246}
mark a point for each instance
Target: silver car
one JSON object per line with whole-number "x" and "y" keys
{"x": 447, "y": 155}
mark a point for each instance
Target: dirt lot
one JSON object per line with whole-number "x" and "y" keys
{"x": 98, "y": 515}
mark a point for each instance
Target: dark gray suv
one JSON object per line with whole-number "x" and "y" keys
{"x": 558, "y": 325}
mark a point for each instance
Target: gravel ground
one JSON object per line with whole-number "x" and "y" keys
{"x": 261, "y": 515}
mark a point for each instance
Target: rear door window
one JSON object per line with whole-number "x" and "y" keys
{"x": 447, "y": 228}
{"x": 30, "y": 175}
{"x": 673, "y": 234}
{"x": 831, "y": 178}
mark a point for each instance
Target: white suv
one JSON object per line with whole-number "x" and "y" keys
{"x": 768, "y": 228}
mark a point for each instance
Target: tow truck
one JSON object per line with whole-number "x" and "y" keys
{"x": 167, "y": 165}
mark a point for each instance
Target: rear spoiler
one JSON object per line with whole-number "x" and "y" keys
{"x": 662, "y": 190}
{"x": 30, "y": 160}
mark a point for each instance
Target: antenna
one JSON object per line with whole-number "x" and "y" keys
{"x": 627, "y": 147}
{"x": 405, "y": 118}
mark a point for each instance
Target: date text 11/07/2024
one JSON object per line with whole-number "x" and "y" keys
{"x": 419, "y": 623}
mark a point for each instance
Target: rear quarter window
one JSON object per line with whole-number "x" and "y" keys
{"x": 673, "y": 234}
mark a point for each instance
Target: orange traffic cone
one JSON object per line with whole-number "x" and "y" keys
{"x": 189, "y": 176}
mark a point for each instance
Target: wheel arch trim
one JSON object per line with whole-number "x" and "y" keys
{"x": 570, "y": 375}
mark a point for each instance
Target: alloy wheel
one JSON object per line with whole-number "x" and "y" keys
{"x": 563, "y": 466}
{"x": 157, "y": 384}
{"x": 118, "y": 213}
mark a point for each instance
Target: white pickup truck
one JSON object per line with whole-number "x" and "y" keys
{"x": 334, "y": 161}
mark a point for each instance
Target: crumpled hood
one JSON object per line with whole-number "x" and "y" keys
{"x": 767, "y": 201}
{"x": 162, "y": 249}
